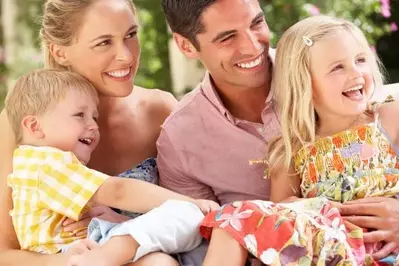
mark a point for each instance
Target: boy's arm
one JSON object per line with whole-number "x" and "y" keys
{"x": 134, "y": 195}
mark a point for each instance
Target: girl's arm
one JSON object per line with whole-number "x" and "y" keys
{"x": 285, "y": 186}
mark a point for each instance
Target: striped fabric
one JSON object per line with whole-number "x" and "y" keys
{"x": 48, "y": 185}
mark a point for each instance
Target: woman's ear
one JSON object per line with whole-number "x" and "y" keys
{"x": 31, "y": 125}
{"x": 58, "y": 52}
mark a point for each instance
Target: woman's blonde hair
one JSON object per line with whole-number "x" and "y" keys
{"x": 292, "y": 83}
{"x": 61, "y": 21}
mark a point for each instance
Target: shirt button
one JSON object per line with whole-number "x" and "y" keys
{"x": 261, "y": 129}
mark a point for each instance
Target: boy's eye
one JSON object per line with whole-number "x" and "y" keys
{"x": 337, "y": 68}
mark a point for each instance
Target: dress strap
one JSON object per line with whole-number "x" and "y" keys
{"x": 374, "y": 106}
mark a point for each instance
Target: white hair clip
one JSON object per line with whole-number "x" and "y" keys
{"x": 307, "y": 41}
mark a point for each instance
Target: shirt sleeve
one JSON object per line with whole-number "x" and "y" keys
{"x": 172, "y": 174}
{"x": 65, "y": 185}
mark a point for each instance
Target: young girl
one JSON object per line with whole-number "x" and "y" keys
{"x": 335, "y": 147}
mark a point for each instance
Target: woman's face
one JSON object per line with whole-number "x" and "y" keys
{"x": 106, "y": 49}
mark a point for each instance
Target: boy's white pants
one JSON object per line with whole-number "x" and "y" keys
{"x": 170, "y": 228}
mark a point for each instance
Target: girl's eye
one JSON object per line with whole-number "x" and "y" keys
{"x": 81, "y": 114}
{"x": 361, "y": 60}
{"x": 131, "y": 35}
{"x": 95, "y": 118}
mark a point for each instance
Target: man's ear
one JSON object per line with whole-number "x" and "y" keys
{"x": 32, "y": 126}
{"x": 58, "y": 52}
{"x": 185, "y": 46}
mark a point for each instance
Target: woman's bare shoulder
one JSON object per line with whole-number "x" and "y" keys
{"x": 7, "y": 139}
{"x": 154, "y": 102}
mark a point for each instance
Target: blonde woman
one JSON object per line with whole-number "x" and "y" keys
{"x": 98, "y": 40}
{"x": 329, "y": 152}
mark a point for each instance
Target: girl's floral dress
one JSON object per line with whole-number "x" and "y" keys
{"x": 357, "y": 163}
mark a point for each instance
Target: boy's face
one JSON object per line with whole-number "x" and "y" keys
{"x": 71, "y": 125}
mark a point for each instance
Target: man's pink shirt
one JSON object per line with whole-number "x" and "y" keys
{"x": 204, "y": 152}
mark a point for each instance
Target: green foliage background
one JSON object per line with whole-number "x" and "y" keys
{"x": 154, "y": 71}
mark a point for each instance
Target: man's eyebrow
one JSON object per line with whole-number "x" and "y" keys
{"x": 224, "y": 34}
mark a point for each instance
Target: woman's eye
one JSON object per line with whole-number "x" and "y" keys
{"x": 104, "y": 43}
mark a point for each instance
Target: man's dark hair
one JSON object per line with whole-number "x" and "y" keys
{"x": 184, "y": 17}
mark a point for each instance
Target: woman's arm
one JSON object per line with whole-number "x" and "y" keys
{"x": 9, "y": 248}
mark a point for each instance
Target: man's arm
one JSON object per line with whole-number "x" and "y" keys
{"x": 172, "y": 174}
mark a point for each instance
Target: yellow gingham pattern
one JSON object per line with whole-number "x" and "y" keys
{"x": 48, "y": 185}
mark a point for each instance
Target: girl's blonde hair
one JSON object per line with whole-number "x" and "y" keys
{"x": 62, "y": 19}
{"x": 292, "y": 83}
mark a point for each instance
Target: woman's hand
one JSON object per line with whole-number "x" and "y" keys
{"x": 381, "y": 214}
{"x": 97, "y": 211}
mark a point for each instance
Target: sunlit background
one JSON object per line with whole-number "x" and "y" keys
{"x": 163, "y": 66}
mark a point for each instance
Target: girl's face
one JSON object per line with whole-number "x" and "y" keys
{"x": 106, "y": 50}
{"x": 341, "y": 76}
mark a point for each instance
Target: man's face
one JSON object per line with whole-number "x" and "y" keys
{"x": 235, "y": 44}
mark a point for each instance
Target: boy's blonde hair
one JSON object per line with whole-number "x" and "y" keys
{"x": 292, "y": 83}
{"x": 35, "y": 93}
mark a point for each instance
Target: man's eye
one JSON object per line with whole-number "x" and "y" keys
{"x": 226, "y": 39}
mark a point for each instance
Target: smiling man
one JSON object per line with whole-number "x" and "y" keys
{"x": 206, "y": 145}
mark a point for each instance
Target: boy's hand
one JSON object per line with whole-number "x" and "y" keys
{"x": 206, "y": 206}
{"x": 82, "y": 246}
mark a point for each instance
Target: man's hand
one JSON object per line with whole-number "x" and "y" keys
{"x": 97, "y": 211}
{"x": 206, "y": 206}
{"x": 381, "y": 214}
